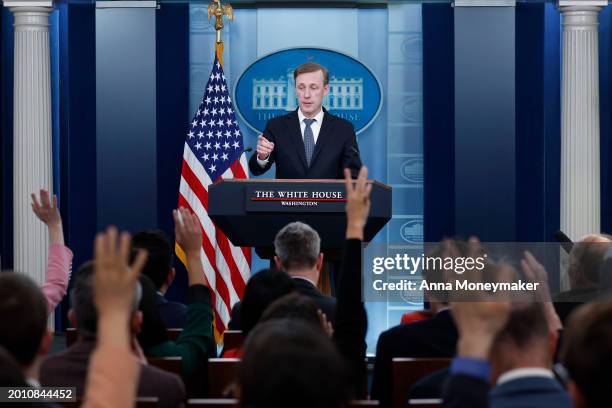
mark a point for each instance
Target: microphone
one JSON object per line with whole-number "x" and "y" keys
{"x": 354, "y": 172}
{"x": 564, "y": 240}
{"x": 248, "y": 150}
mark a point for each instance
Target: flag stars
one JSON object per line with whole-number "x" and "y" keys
{"x": 217, "y": 88}
{"x": 219, "y": 133}
{"x": 212, "y": 168}
{"x": 206, "y": 112}
{"x": 218, "y": 65}
{"x": 217, "y": 146}
{"x": 216, "y": 100}
{"x": 220, "y": 122}
{"x": 236, "y": 133}
{"x": 205, "y": 157}
{"x": 215, "y": 157}
{"x": 194, "y": 123}
{"x": 226, "y": 145}
{"x": 228, "y": 133}
{"x": 207, "y": 100}
{"x": 210, "y": 88}
{"x": 230, "y": 110}
{"x": 190, "y": 134}
{"x": 223, "y": 87}
{"x": 202, "y": 123}
{"x": 198, "y": 146}
{"x": 213, "y": 111}
{"x": 200, "y": 134}
{"x": 229, "y": 122}
{"x": 222, "y": 110}
{"x": 209, "y": 134}
{"x": 222, "y": 99}
{"x": 224, "y": 156}
{"x": 211, "y": 123}
{"x": 207, "y": 146}
{"x": 198, "y": 113}
{"x": 236, "y": 144}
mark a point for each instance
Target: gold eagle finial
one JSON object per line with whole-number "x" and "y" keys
{"x": 215, "y": 8}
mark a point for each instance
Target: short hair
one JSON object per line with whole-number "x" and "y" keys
{"x": 526, "y": 325}
{"x": 261, "y": 290}
{"x": 308, "y": 67}
{"x": 291, "y": 364}
{"x": 23, "y": 316}
{"x": 153, "y": 330}
{"x": 587, "y": 352}
{"x": 82, "y": 297}
{"x": 585, "y": 261}
{"x": 159, "y": 251}
{"x": 295, "y": 307}
{"x": 297, "y": 245}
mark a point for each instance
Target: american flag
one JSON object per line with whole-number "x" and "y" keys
{"x": 213, "y": 150}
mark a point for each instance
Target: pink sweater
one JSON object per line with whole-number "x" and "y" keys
{"x": 59, "y": 267}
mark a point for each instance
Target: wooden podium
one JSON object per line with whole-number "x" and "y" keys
{"x": 251, "y": 212}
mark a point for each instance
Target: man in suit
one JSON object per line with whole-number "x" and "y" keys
{"x": 308, "y": 143}
{"x": 430, "y": 338}
{"x": 159, "y": 269}
{"x": 297, "y": 248}
{"x": 509, "y": 345}
{"x": 69, "y": 368}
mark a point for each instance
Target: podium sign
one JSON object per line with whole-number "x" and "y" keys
{"x": 302, "y": 197}
{"x": 251, "y": 212}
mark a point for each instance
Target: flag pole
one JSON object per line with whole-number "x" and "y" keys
{"x": 218, "y": 10}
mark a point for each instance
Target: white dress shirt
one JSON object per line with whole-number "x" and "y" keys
{"x": 524, "y": 372}
{"x": 315, "y": 126}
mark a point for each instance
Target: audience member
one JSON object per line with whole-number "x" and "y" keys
{"x": 11, "y": 374}
{"x": 59, "y": 263}
{"x": 291, "y": 364}
{"x": 112, "y": 376}
{"x": 297, "y": 307}
{"x": 69, "y": 368}
{"x": 585, "y": 261}
{"x": 297, "y": 248}
{"x": 23, "y": 323}
{"x": 587, "y": 355}
{"x": 521, "y": 360}
{"x": 263, "y": 288}
{"x": 194, "y": 343}
{"x": 159, "y": 269}
{"x": 510, "y": 344}
{"x": 433, "y": 337}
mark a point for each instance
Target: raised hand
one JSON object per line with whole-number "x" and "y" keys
{"x": 264, "y": 148}
{"x": 47, "y": 211}
{"x": 357, "y": 202}
{"x": 189, "y": 236}
{"x": 114, "y": 283}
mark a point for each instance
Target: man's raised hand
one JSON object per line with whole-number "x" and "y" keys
{"x": 357, "y": 203}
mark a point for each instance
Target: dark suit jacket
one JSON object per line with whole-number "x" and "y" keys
{"x": 173, "y": 314}
{"x": 331, "y": 155}
{"x": 69, "y": 369}
{"x": 535, "y": 392}
{"x": 434, "y": 337}
{"x": 325, "y": 303}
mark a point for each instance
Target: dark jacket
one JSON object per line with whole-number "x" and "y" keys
{"x": 173, "y": 314}
{"x": 325, "y": 303}
{"x": 431, "y": 338}
{"x": 69, "y": 369}
{"x": 336, "y": 148}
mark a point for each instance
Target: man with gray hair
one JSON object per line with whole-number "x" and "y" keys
{"x": 298, "y": 252}
{"x": 69, "y": 368}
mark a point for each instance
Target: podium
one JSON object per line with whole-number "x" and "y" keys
{"x": 251, "y": 212}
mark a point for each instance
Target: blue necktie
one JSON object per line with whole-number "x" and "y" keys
{"x": 309, "y": 142}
